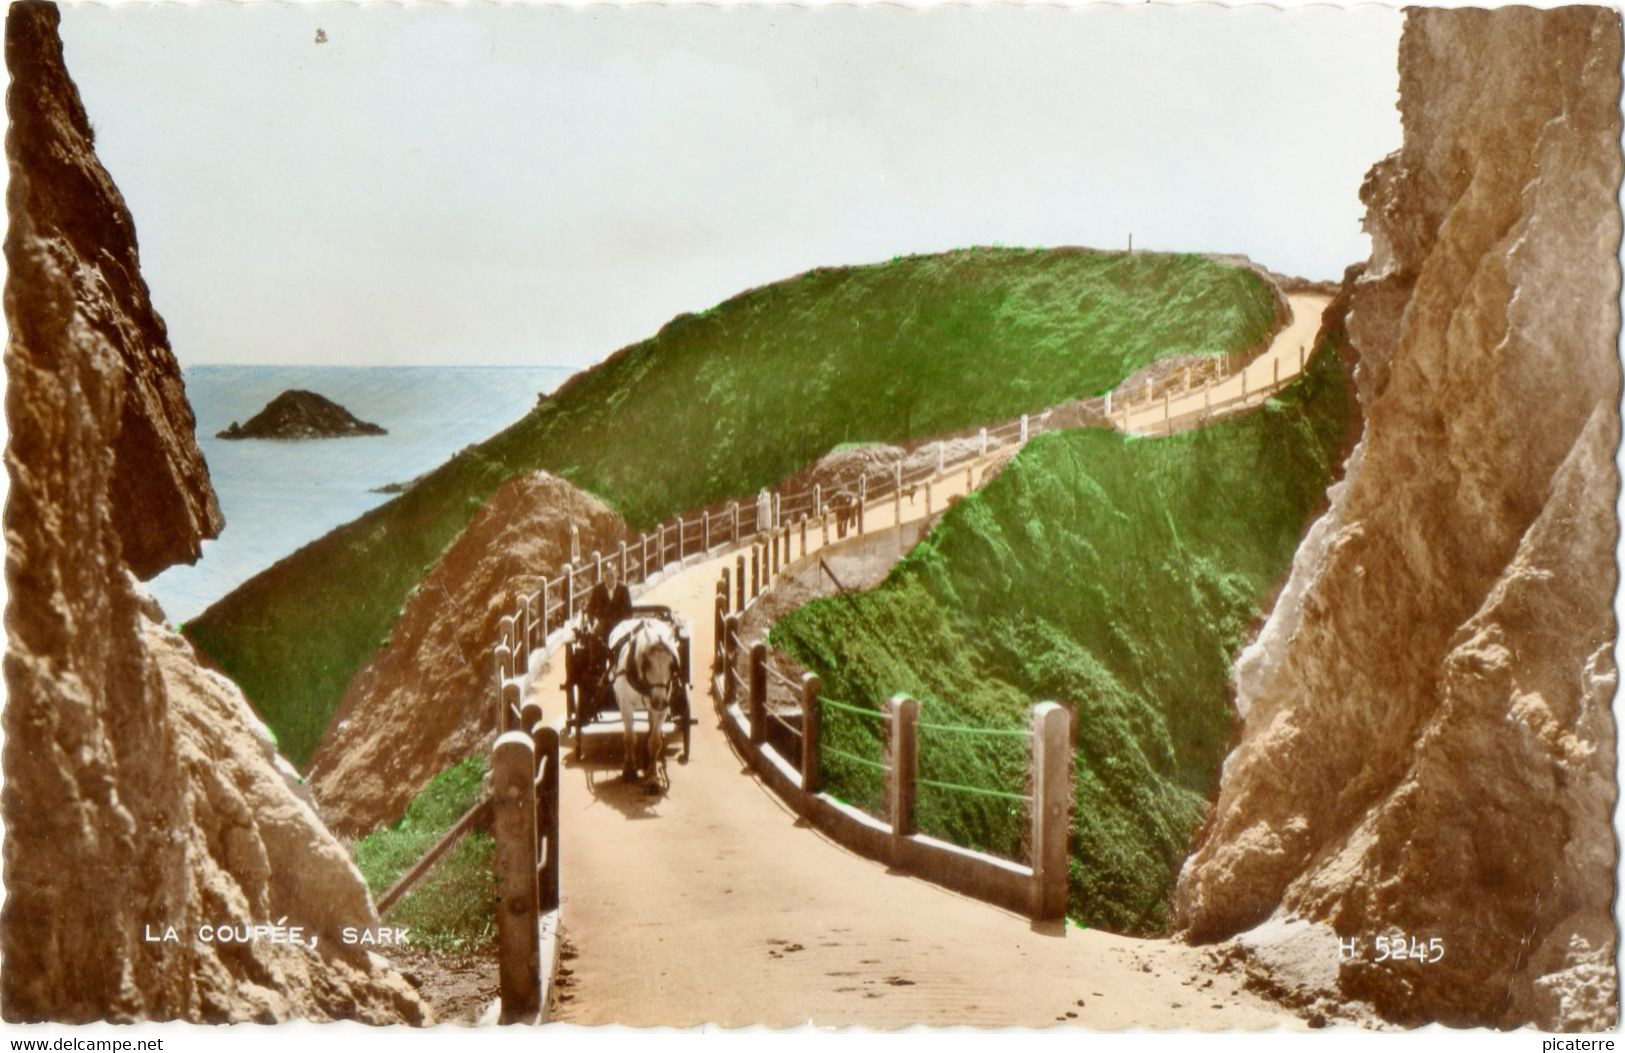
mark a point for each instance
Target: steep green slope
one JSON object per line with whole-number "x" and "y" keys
{"x": 1117, "y": 576}
{"x": 453, "y": 908}
{"x": 721, "y": 403}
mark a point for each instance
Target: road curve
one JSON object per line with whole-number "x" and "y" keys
{"x": 1278, "y": 366}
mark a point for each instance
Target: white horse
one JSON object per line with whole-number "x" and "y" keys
{"x": 644, "y": 674}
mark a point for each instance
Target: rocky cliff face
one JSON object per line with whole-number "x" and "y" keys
{"x": 428, "y": 699}
{"x": 1428, "y": 746}
{"x": 139, "y": 789}
{"x": 69, "y": 222}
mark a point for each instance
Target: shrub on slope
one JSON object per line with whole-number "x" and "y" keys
{"x": 1115, "y": 575}
{"x": 721, "y": 403}
{"x": 454, "y": 907}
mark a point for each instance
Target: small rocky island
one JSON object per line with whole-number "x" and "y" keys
{"x": 301, "y": 415}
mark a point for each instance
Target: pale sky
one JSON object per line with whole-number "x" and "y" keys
{"x": 514, "y": 184}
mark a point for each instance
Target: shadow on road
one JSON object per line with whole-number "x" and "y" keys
{"x": 633, "y": 800}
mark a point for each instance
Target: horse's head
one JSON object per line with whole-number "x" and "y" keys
{"x": 658, "y": 664}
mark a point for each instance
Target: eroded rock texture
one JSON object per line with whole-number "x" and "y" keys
{"x": 1428, "y": 744}
{"x": 428, "y": 699}
{"x": 139, "y": 789}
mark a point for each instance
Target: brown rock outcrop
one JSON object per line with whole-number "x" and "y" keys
{"x": 428, "y": 699}
{"x": 139, "y": 789}
{"x": 68, "y": 221}
{"x": 1428, "y": 747}
{"x": 295, "y": 415}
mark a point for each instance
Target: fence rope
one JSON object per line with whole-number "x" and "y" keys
{"x": 854, "y": 758}
{"x": 830, "y": 703}
{"x": 959, "y": 729}
{"x": 979, "y": 791}
{"x": 791, "y": 728}
{"x": 773, "y": 672}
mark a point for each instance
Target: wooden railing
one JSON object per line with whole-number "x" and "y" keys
{"x": 741, "y": 675}
{"x": 766, "y": 525}
{"x": 1195, "y": 396}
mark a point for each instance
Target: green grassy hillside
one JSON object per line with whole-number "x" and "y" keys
{"x": 453, "y": 908}
{"x": 721, "y": 403}
{"x": 1117, "y": 576}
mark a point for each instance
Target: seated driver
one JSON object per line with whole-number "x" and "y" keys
{"x": 609, "y": 604}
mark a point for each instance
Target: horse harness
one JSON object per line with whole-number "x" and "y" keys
{"x": 634, "y": 662}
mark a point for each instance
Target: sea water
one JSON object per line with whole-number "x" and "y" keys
{"x": 279, "y": 495}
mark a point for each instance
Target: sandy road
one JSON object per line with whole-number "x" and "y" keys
{"x": 1276, "y": 367}
{"x": 712, "y": 905}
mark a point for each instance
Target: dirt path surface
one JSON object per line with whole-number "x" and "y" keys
{"x": 710, "y": 904}
{"x": 1270, "y": 371}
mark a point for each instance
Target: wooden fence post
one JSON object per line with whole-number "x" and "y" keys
{"x": 803, "y": 525}
{"x": 546, "y": 604}
{"x": 597, "y": 566}
{"x": 1300, "y": 358}
{"x": 818, "y": 501}
{"x": 547, "y": 816}
{"x": 705, "y": 531}
{"x": 569, "y": 591}
{"x": 625, "y": 569}
{"x": 511, "y": 714}
{"x": 897, "y": 478}
{"x": 1275, "y": 368}
{"x": 739, "y": 581}
{"x": 773, "y": 557}
{"x": 905, "y": 719}
{"x": 661, "y": 562}
{"x": 1052, "y": 808}
{"x": 758, "y": 692}
{"x": 823, "y": 527}
{"x": 811, "y": 717}
{"x": 755, "y": 571}
{"x": 513, "y": 824}
{"x": 719, "y": 625}
{"x": 529, "y": 719}
{"x": 575, "y": 543}
{"x": 928, "y": 498}
{"x": 1244, "y": 382}
{"x": 643, "y": 556}
{"x": 505, "y": 661}
{"x": 733, "y": 534}
{"x": 730, "y": 636}
{"x": 777, "y": 508}
{"x": 521, "y": 636}
{"x": 496, "y": 662}
{"x": 861, "y": 503}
